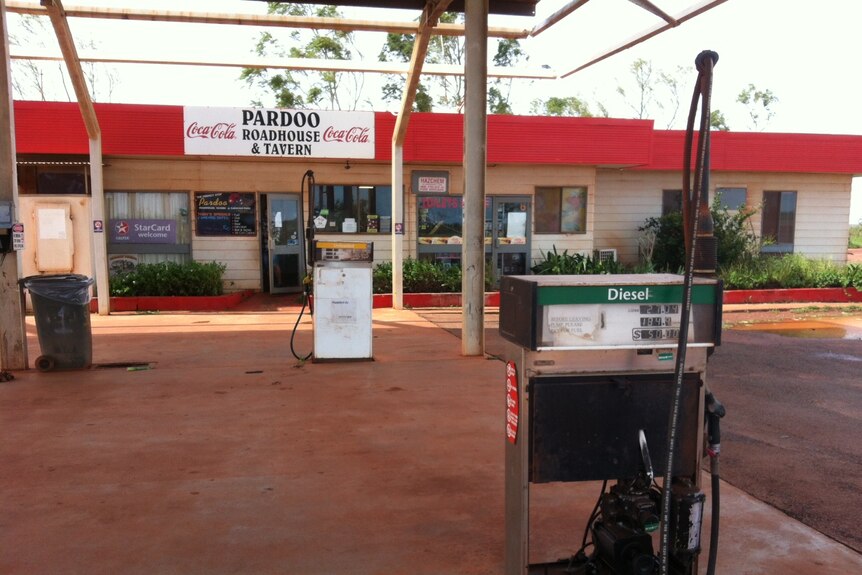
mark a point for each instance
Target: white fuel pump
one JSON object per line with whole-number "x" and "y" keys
{"x": 343, "y": 300}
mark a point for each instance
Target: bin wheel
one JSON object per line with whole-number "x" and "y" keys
{"x": 44, "y": 363}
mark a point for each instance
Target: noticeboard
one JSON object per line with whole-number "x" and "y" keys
{"x": 225, "y": 214}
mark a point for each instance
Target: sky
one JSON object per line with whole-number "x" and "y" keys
{"x": 804, "y": 52}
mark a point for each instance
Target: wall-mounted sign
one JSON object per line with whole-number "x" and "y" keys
{"x": 18, "y": 237}
{"x": 278, "y": 133}
{"x": 142, "y": 231}
{"x": 430, "y": 182}
{"x": 225, "y": 214}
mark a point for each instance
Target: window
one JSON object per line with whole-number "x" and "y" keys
{"x": 778, "y": 224}
{"x": 353, "y": 209}
{"x": 671, "y": 201}
{"x": 561, "y": 210}
{"x": 54, "y": 179}
{"x": 147, "y": 227}
{"x": 440, "y": 219}
{"x": 731, "y": 199}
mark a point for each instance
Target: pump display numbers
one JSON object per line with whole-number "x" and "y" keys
{"x": 658, "y": 322}
{"x": 654, "y": 334}
{"x": 660, "y": 308}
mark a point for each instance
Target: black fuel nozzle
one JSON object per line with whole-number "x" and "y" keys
{"x": 714, "y": 411}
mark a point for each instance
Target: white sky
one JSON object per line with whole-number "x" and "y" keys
{"x": 805, "y": 52}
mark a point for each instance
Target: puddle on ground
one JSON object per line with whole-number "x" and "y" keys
{"x": 805, "y": 329}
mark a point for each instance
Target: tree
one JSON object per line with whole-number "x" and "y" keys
{"x": 717, "y": 121}
{"x": 656, "y": 91}
{"x": 32, "y": 80}
{"x": 759, "y": 104}
{"x": 300, "y": 88}
{"x": 509, "y": 53}
{"x": 447, "y": 92}
{"x": 642, "y": 101}
{"x": 399, "y": 47}
{"x": 554, "y": 106}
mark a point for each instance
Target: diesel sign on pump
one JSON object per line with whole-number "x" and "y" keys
{"x": 620, "y": 294}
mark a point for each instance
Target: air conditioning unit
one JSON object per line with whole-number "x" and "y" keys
{"x": 605, "y": 255}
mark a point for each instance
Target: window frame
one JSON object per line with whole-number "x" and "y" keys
{"x": 671, "y": 201}
{"x": 555, "y": 214}
{"x": 720, "y": 193}
{"x": 772, "y": 216}
{"x": 356, "y": 212}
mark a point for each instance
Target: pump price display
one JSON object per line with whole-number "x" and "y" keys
{"x": 657, "y": 322}
{"x": 666, "y": 308}
{"x": 654, "y": 334}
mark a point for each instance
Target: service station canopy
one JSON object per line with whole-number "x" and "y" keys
{"x": 510, "y": 7}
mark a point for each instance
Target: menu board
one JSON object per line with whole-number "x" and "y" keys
{"x": 225, "y": 214}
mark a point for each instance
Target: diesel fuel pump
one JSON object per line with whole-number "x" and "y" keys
{"x": 606, "y": 383}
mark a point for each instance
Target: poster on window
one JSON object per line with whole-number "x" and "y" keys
{"x": 278, "y": 133}
{"x": 574, "y": 211}
{"x": 225, "y": 214}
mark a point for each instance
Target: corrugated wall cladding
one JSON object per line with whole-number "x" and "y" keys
{"x": 127, "y": 129}
{"x": 761, "y": 152}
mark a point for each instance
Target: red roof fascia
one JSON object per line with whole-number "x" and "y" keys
{"x": 765, "y": 152}
{"x": 145, "y": 130}
{"x": 127, "y": 129}
{"x": 522, "y": 139}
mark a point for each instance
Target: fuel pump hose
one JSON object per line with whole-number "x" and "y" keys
{"x": 714, "y": 412}
{"x": 306, "y": 184}
{"x": 697, "y": 220}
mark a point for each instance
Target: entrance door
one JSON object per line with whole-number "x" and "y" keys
{"x": 284, "y": 244}
{"x": 507, "y": 230}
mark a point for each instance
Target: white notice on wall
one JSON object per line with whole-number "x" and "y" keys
{"x": 343, "y": 311}
{"x": 572, "y": 324}
{"x": 516, "y": 225}
{"x": 52, "y": 224}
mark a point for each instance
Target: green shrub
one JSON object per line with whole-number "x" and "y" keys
{"x": 790, "y": 271}
{"x": 735, "y": 238}
{"x": 573, "y": 264}
{"x": 855, "y": 240}
{"x": 170, "y": 279}
{"x": 381, "y": 277}
{"x": 422, "y": 276}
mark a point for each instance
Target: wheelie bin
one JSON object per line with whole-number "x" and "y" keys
{"x": 61, "y": 306}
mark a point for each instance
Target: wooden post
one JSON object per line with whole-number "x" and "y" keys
{"x": 475, "y": 157}
{"x": 13, "y": 336}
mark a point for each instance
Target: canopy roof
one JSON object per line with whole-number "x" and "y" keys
{"x": 510, "y": 7}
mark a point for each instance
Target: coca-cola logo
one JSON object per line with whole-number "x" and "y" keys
{"x": 219, "y": 131}
{"x": 355, "y": 135}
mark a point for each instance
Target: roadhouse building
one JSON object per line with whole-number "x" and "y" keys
{"x": 224, "y": 184}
